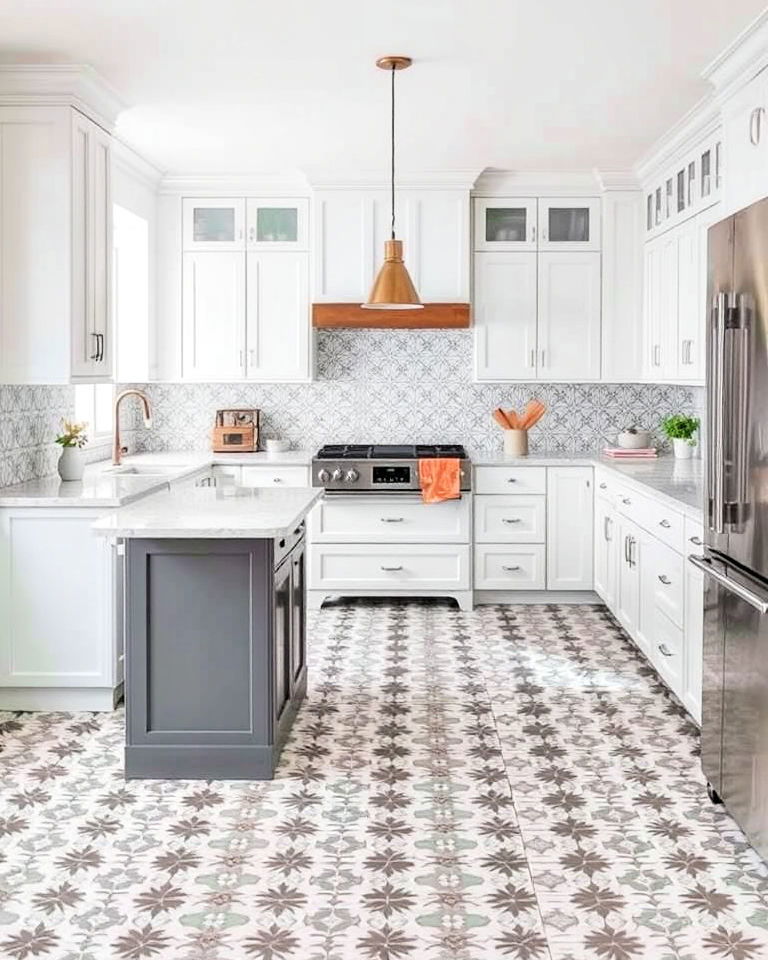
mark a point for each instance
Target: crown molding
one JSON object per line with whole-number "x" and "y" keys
{"x": 61, "y": 84}
{"x": 624, "y": 180}
{"x": 235, "y": 184}
{"x": 700, "y": 123}
{"x": 741, "y": 60}
{"x": 127, "y": 159}
{"x": 494, "y": 183}
{"x": 462, "y": 179}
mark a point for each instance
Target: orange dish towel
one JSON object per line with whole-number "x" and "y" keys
{"x": 440, "y": 479}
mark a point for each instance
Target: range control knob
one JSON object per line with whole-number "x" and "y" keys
{"x": 337, "y": 474}
{"x": 323, "y": 476}
{"x": 351, "y": 475}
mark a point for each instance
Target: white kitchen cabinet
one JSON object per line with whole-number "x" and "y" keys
{"x": 277, "y": 224}
{"x": 505, "y": 315}
{"x": 661, "y": 306}
{"x": 569, "y": 316}
{"x": 569, "y": 223}
{"x": 630, "y": 549}
{"x": 691, "y": 325}
{"x": 350, "y": 227}
{"x": 622, "y": 286}
{"x": 213, "y": 310}
{"x": 693, "y": 641}
{"x": 510, "y": 519}
{"x": 213, "y": 224}
{"x": 506, "y": 566}
{"x": 383, "y": 519}
{"x": 60, "y": 632}
{"x": 266, "y": 476}
{"x": 569, "y": 528}
{"x": 745, "y": 134}
{"x": 277, "y": 316}
{"x": 506, "y": 224}
{"x": 606, "y": 551}
{"x": 55, "y": 247}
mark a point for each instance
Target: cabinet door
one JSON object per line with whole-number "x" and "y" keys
{"x": 281, "y": 639}
{"x": 690, "y": 302}
{"x": 693, "y": 641}
{"x": 91, "y": 251}
{"x": 569, "y": 223}
{"x": 606, "y": 554}
{"x": 505, "y": 316}
{"x": 213, "y": 224}
{"x": 569, "y": 528}
{"x": 505, "y": 224}
{"x": 437, "y": 247}
{"x": 569, "y": 316}
{"x": 661, "y": 314}
{"x": 628, "y": 579}
{"x": 213, "y": 315}
{"x": 652, "y": 308}
{"x": 745, "y": 132}
{"x": 277, "y": 316}
{"x": 298, "y": 617}
{"x": 277, "y": 224}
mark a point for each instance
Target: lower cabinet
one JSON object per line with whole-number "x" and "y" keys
{"x": 61, "y": 623}
{"x": 569, "y": 528}
{"x": 283, "y": 475}
{"x": 642, "y": 573}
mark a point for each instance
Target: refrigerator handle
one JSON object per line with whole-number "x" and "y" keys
{"x": 750, "y": 596}
{"x": 717, "y": 415}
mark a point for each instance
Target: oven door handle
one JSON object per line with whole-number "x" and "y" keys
{"x": 753, "y": 594}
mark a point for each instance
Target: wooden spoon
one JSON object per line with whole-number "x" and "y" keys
{"x": 501, "y": 418}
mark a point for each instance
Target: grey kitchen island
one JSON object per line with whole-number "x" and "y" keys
{"x": 215, "y": 636}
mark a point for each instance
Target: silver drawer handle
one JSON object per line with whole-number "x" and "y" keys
{"x": 510, "y": 569}
{"x": 391, "y": 569}
{"x": 277, "y": 479}
{"x": 511, "y": 520}
{"x": 626, "y": 501}
{"x": 665, "y": 523}
{"x": 391, "y": 519}
{"x": 603, "y": 486}
{"x": 511, "y": 480}
{"x": 664, "y": 649}
{"x": 696, "y": 541}
{"x": 664, "y": 579}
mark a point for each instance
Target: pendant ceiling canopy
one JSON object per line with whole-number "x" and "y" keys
{"x": 393, "y": 288}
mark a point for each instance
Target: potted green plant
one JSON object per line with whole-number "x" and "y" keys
{"x": 681, "y": 430}
{"x": 72, "y": 439}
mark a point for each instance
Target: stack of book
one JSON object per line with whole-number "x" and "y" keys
{"x": 623, "y": 453}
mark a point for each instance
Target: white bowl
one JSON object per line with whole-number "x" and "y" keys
{"x": 277, "y": 446}
{"x": 634, "y": 441}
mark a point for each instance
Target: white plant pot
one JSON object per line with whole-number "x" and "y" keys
{"x": 683, "y": 449}
{"x": 71, "y": 464}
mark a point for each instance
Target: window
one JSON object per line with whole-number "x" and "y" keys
{"x": 93, "y": 405}
{"x": 130, "y": 293}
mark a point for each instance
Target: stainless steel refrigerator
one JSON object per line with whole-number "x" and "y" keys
{"x": 735, "y": 696}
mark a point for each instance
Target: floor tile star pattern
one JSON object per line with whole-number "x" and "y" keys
{"x": 512, "y": 782}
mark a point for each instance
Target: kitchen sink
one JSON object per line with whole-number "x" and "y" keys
{"x": 145, "y": 470}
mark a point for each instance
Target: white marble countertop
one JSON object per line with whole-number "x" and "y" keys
{"x": 533, "y": 460}
{"x": 106, "y": 486}
{"x": 225, "y": 513}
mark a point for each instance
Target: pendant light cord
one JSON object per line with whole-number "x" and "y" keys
{"x": 392, "y": 185}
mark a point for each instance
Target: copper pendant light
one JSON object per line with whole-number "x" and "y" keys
{"x": 393, "y": 288}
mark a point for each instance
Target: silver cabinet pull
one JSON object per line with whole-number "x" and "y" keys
{"x": 755, "y": 126}
{"x": 543, "y": 358}
{"x": 510, "y": 569}
{"x": 603, "y": 486}
{"x": 277, "y": 479}
{"x": 251, "y": 234}
{"x": 664, "y": 649}
{"x": 665, "y": 580}
{"x": 656, "y": 355}
{"x": 606, "y": 528}
{"x": 626, "y": 549}
{"x": 665, "y": 523}
{"x": 632, "y": 543}
{"x": 758, "y": 600}
{"x": 391, "y": 519}
{"x": 626, "y": 501}
{"x": 511, "y": 480}
{"x": 391, "y": 569}
{"x": 696, "y": 541}
{"x": 511, "y": 520}
{"x": 533, "y": 234}
{"x": 533, "y": 358}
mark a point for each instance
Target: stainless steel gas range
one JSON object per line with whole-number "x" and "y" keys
{"x": 381, "y": 468}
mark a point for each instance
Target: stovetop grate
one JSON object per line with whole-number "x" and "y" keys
{"x": 384, "y": 451}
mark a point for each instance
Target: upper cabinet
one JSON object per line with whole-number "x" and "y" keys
{"x": 569, "y": 223}
{"x": 213, "y": 224}
{"x": 350, "y": 227}
{"x": 216, "y": 224}
{"x": 55, "y": 247}
{"x": 506, "y": 224}
{"x": 745, "y": 130}
{"x": 686, "y": 188}
{"x": 543, "y": 223}
{"x": 277, "y": 224}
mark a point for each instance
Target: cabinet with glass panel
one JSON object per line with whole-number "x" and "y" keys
{"x": 693, "y": 184}
{"x": 537, "y": 223}
{"x": 221, "y": 224}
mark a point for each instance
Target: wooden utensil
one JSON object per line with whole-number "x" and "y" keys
{"x": 501, "y": 418}
{"x": 514, "y": 420}
{"x": 534, "y": 411}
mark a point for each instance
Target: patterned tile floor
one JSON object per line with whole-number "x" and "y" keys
{"x": 507, "y": 783}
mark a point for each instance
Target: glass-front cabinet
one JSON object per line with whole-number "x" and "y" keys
{"x": 506, "y": 224}
{"x": 277, "y": 224}
{"x": 692, "y": 185}
{"x": 569, "y": 223}
{"x": 213, "y": 223}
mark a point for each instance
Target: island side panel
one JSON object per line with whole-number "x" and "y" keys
{"x": 199, "y": 659}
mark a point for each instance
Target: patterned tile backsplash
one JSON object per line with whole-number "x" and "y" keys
{"x": 406, "y": 387}
{"x": 371, "y": 385}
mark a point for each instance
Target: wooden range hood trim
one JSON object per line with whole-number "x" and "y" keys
{"x": 434, "y": 316}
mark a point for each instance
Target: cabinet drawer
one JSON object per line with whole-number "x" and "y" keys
{"x": 667, "y": 651}
{"x": 515, "y": 480}
{"x": 665, "y": 571}
{"x": 694, "y": 537}
{"x": 510, "y": 519}
{"x": 397, "y": 519}
{"x": 267, "y": 476}
{"x": 658, "y": 519}
{"x": 226, "y": 472}
{"x": 503, "y": 567}
{"x": 382, "y": 567}
{"x": 605, "y": 485}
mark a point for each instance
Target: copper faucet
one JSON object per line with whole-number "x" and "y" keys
{"x": 117, "y": 449}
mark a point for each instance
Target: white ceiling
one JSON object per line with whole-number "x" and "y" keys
{"x": 242, "y": 86}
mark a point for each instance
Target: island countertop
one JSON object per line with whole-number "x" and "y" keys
{"x": 224, "y": 513}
